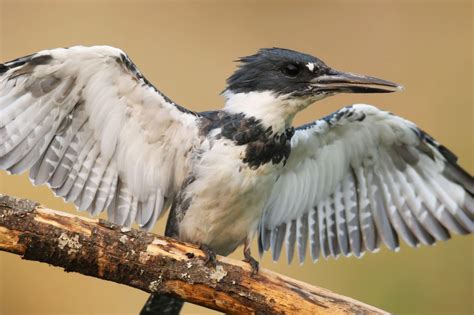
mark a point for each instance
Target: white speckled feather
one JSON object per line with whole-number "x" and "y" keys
{"x": 92, "y": 127}
{"x": 364, "y": 176}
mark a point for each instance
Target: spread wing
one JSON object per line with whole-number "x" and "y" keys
{"x": 362, "y": 176}
{"x": 86, "y": 122}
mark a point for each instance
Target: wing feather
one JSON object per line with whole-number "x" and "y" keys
{"x": 44, "y": 168}
{"x": 290, "y": 240}
{"x": 276, "y": 241}
{"x": 86, "y": 122}
{"x": 92, "y": 183}
{"x": 362, "y": 176}
{"x": 68, "y": 160}
{"x": 393, "y": 205}
{"x": 331, "y": 228}
{"x": 366, "y": 219}
{"x": 322, "y": 228}
{"x": 351, "y": 204}
{"x": 83, "y": 175}
{"x": 302, "y": 236}
{"x": 314, "y": 234}
{"x": 409, "y": 209}
{"x": 81, "y": 154}
{"x": 384, "y": 227}
{"x": 341, "y": 225}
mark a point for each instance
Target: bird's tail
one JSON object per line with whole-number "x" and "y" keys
{"x": 162, "y": 304}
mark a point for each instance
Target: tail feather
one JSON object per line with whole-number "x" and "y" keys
{"x": 160, "y": 304}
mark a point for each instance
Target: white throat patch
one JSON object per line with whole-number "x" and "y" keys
{"x": 272, "y": 110}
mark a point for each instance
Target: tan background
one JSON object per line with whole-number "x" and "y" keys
{"x": 186, "y": 49}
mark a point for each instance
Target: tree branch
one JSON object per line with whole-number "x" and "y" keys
{"x": 157, "y": 264}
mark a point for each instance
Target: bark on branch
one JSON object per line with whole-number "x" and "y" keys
{"x": 154, "y": 263}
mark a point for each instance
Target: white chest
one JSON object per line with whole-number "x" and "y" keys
{"x": 227, "y": 198}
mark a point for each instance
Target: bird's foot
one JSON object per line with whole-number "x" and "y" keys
{"x": 210, "y": 259}
{"x": 254, "y": 264}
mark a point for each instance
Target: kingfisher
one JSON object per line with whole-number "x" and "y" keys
{"x": 86, "y": 122}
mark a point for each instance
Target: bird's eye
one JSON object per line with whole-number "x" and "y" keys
{"x": 291, "y": 70}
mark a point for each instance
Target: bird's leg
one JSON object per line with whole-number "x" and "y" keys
{"x": 248, "y": 258}
{"x": 210, "y": 258}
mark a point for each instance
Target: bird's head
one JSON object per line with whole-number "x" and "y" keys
{"x": 277, "y": 83}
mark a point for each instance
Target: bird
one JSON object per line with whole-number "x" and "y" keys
{"x": 87, "y": 123}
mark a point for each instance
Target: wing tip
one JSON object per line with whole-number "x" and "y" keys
{"x": 34, "y": 60}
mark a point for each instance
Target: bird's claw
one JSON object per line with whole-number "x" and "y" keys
{"x": 210, "y": 259}
{"x": 254, "y": 264}
{"x": 250, "y": 260}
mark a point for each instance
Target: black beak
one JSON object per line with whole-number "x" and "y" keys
{"x": 346, "y": 82}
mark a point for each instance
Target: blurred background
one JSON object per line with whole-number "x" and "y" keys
{"x": 186, "y": 49}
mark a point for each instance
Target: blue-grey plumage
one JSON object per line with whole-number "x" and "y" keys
{"x": 86, "y": 122}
